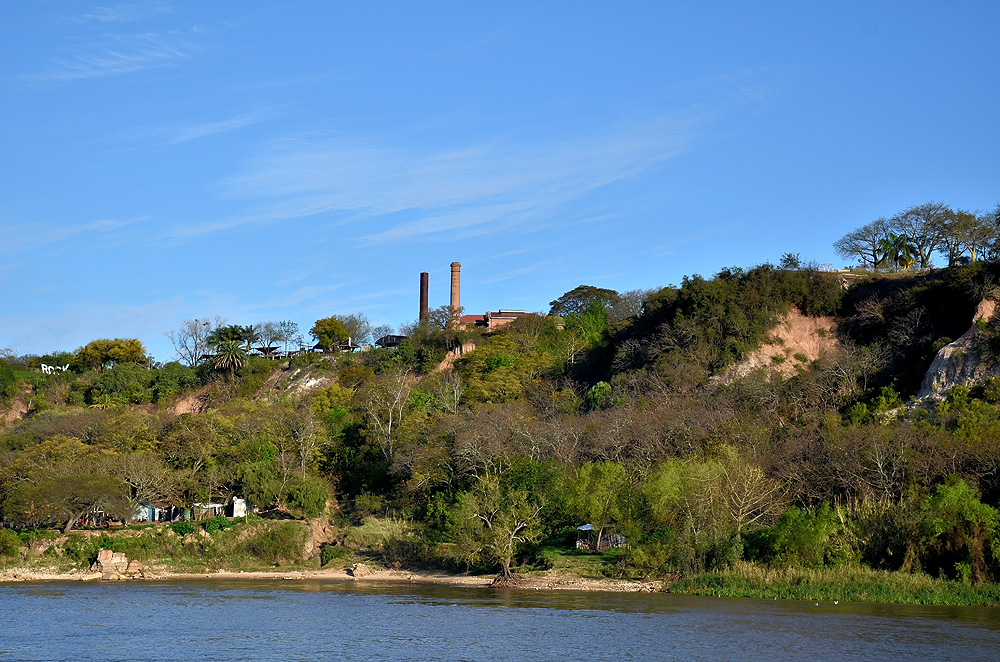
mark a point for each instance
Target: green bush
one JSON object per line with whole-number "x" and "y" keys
{"x": 82, "y": 550}
{"x": 218, "y": 523}
{"x": 803, "y": 539}
{"x": 961, "y": 532}
{"x": 139, "y": 547}
{"x": 408, "y": 552}
{"x": 8, "y": 382}
{"x": 282, "y": 542}
{"x": 333, "y": 553}
{"x": 308, "y": 496}
{"x": 182, "y": 528}
{"x": 651, "y": 558}
{"x": 125, "y": 383}
{"x": 9, "y": 543}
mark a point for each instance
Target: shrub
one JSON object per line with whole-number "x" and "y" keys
{"x": 8, "y": 382}
{"x": 218, "y": 523}
{"x": 406, "y": 552}
{"x": 81, "y": 550}
{"x": 308, "y": 496}
{"x": 10, "y": 544}
{"x": 331, "y": 553}
{"x": 140, "y": 547}
{"x": 282, "y": 542}
{"x": 651, "y": 558}
{"x": 182, "y": 528}
{"x": 961, "y": 530}
{"x": 803, "y": 539}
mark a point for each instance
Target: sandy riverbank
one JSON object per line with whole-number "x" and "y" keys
{"x": 534, "y": 581}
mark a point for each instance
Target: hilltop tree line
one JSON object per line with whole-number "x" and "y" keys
{"x": 914, "y": 235}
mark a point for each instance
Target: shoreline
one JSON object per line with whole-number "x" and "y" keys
{"x": 806, "y": 586}
{"x": 547, "y": 581}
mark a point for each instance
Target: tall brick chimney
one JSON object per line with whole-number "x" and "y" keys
{"x": 456, "y": 288}
{"x": 423, "y": 298}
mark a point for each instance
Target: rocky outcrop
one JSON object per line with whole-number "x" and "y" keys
{"x": 115, "y": 565}
{"x": 962, "y": 362}
{"x": 108, "y": 561}
{"x": 360, "y": 570}
{"x": 320, "y": 533}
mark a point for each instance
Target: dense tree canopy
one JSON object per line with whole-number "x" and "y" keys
{"x": 100, "y": 354}
{"x": 581, "y": 297}
{"x": 329, "y": 332}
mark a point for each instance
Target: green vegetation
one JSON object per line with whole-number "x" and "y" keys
{"x": 840, "y": 584}
{"x": 622, "y": 413}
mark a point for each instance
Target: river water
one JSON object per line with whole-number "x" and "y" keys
{"x": 313, "y": 620}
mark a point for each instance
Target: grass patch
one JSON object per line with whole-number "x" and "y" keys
{"x": 277, "y": 543}
{"x": 374, "y": 532}
{"x": 749, "y": 580}
{"x": 576, "y": 562}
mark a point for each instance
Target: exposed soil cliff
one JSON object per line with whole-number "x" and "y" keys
{"x": 195, "y": 403}
{"x": 797, "y": 341}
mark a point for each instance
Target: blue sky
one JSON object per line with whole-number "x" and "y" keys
{"x": 163, "y": 161}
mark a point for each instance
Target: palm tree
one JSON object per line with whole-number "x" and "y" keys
{"x": 244, "y": 334}
{"x": 897, "y": 250}
{"x": 229, "y": 354}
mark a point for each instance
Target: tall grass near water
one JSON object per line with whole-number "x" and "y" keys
{"x": 846, "y": 584}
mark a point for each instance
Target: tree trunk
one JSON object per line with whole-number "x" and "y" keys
{"x": 73, "y": 519}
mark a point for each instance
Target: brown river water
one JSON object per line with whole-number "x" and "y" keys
{"x": 333, "y": 620}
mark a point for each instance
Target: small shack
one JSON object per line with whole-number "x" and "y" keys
{"x": 593, "y": 540}
{"x": 390, "y": 341}
{"x": 208, "y": 510}
{"x": 237, "y": 507}
{"x": 268, "y": 351}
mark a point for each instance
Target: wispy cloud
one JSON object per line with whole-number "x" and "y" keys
{"x": 178, "y": 133}
{"x": 192, "y": 132}
{"x": 404, "y": 193}
{"x": 117, "y": 54}
{"x": 31, "y": 235}
{"x": 124, "y": 12}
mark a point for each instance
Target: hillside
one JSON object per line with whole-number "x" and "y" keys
{"x": 761, "y": 416}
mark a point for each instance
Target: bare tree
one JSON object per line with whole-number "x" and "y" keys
{"x": 381, "y": 331}
{"x": 978, "y": 235}
{"x": 441, "y": 317}
{"x": 288, "y": 332}
{"x": 358, "y": 327}
{"x": 190, "y": 340}
{"x": 864, "y": 243}
{"x": 449, "y": 390}
{"x": 751, "y": 497}
{"x": 268, "y": 333}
